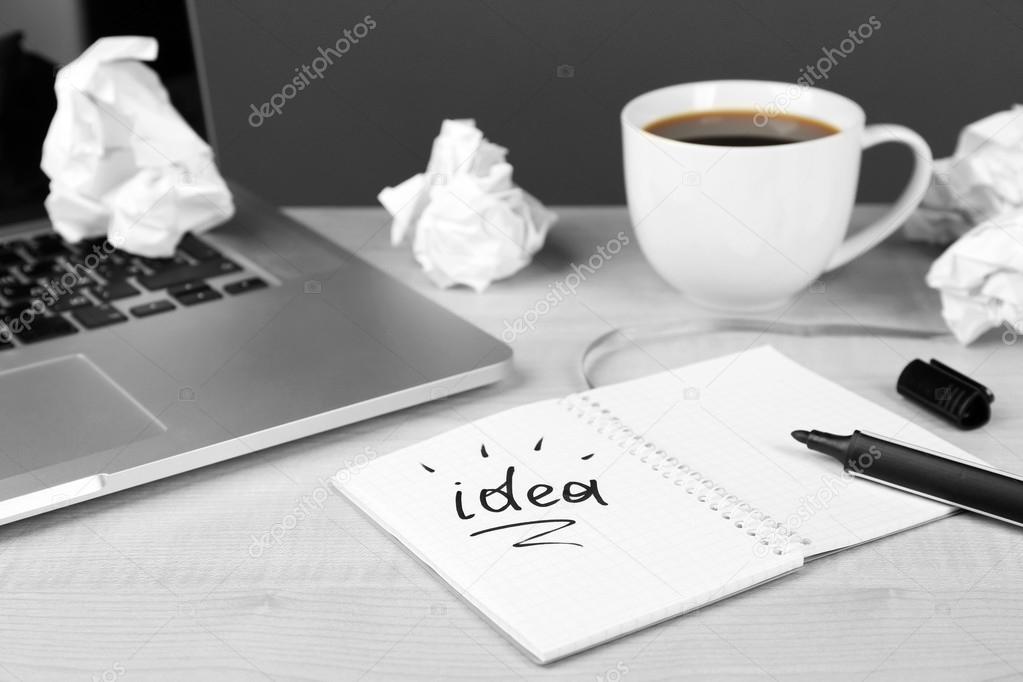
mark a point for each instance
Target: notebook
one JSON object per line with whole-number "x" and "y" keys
{"x": 571, "y": 522}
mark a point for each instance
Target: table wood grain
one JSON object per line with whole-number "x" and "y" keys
{"x": 181, "y": 578}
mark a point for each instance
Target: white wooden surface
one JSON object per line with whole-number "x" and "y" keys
{"x": 166, "y": 581}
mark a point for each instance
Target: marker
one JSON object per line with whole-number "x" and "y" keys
{"x": 973, "y": 487}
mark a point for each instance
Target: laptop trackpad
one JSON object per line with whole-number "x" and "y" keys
{"x": 62, "y": 409}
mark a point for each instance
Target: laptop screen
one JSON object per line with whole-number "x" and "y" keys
{"x": 34, "y": 44}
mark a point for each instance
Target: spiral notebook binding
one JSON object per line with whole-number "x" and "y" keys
{"x": 771, "y": 536}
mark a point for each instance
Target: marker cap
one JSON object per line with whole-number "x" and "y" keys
{"x": 952, "y": 395}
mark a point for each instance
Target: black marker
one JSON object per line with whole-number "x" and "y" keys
{"x": 972, "y": 487}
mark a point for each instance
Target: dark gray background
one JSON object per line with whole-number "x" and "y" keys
{"x": 933, "y": 66}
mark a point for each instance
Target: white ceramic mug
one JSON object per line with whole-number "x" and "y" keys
{"x": 749, "y": 227}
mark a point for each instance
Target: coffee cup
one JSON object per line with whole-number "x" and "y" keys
{"x": 741, "y": 191}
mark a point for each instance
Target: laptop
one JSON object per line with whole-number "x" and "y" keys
{"x": 253, "y": 334}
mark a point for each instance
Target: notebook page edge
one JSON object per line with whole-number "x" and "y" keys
{"x": 584, "y": 645}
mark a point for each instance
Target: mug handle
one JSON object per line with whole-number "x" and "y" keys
{"x": 874, "y": 234}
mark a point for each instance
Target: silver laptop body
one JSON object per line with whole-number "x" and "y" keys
{"x": 324, "y": 340}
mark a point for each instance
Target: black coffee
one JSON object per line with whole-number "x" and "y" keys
{"x": 739, "y": 128}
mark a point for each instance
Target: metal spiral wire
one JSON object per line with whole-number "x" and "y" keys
{"x": 770, "y": 536}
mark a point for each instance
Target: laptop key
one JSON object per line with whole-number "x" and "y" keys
{"x": 196, "y": 248}
{"x": 118, "y": 257}
{"x": 245, "y": 285}
{"x": 42, "y": 329}
{"x": 16, "y": 308}
{"x": 41, "y": 268}
{"x": 198, "y": 296}
{"x": 70, "y": 301}
{"x": 15, "y": 244}
{"x": 8, "y": 257}
{"x": 112, "y": 291}
{"x": 161, "y": 264}
{"x": 94, "y": 316}
{"x": 186, "y": 288}
{"x": 89, "y": 243}
{"x": 5, "y": 333}
{"x": 48, "y": 245}
{"x": 187, "y": 273}
{"x": 152, "y": 308}
{"x": 15, "y": 292}
{"x": 118, "y": 273}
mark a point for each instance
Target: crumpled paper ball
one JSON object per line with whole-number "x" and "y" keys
{"x": 471, "y": 224}
{"x": 980, "y": 278}
{"x": 122, "y": 161}
{"x": 982, "y": 179}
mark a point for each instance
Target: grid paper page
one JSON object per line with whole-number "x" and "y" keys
{"x": 730, "y": 418}
{"x": 648, "y": 553}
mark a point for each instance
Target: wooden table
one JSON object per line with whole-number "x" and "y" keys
{"x": 165, "y": 582}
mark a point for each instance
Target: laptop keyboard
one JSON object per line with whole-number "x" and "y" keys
{"x": 50, "y": 288}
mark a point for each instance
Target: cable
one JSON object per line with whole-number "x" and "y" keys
{"x": 616, "y": 339}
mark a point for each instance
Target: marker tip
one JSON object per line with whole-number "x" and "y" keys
{"x": 801, "y": 436}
